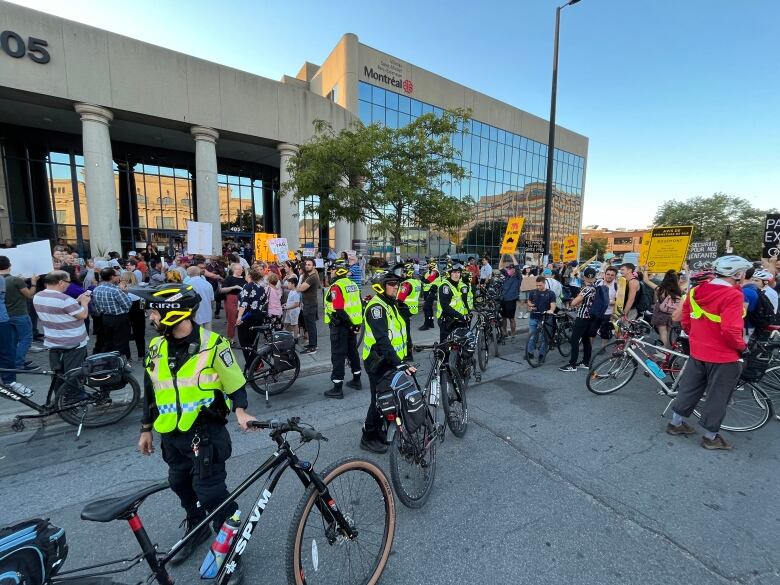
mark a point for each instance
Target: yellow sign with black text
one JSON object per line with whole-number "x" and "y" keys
{"x": 512, "y": 235}
{"x": 570, "y": 245}
{"x": 668, "y": 248}
{"x": 556, "y": 250}
{"x": 644, "y": 249}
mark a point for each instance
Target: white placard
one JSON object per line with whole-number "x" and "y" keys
{"x": 279, "y": 247}
{"x": 308, "y": 252}
{"x": 31, "y": 259}
{"x": 631, "y": 258}
{"x": 199, "y": 238}
{"x": 319, "y": 263}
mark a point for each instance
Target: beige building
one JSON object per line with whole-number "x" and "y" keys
{"x": 619, "y": 241}
{"x": 93, "y": 157}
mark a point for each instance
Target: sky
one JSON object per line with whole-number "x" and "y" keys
{"x": 678, "y": 97}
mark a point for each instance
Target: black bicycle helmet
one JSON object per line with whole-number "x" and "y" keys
{"x": 340, "y": 268}
{"x": 174, "y": 301}
{"x": 382, "y": 278}
{"x": 456, "y": 267}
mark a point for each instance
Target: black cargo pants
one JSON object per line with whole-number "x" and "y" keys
{"x": 343, "y": 346}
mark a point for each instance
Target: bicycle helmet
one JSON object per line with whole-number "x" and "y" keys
{"x": 339, "y": 268}
{"x": 408, "y": 270}
{"x": 382, "y": 278}
{"x": 174, "y": 301}
{"x": 432, "y": 265}
{"x": 697, "y": 278}
{"x": 456, "y": 267}
{"x": 730, "y": 266}
{"x": 762, "y": 274}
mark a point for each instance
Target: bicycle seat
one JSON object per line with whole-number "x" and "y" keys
{"x": 119, "y": 507}
{"x": 260, "y": 328}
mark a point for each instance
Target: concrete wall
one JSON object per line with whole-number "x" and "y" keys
{"x": 340, "y": 68}
{"x": 95, "y": 66}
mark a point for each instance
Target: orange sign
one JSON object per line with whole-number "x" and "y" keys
{"x": 570, "y": 248}
{"x": 512, "y": 235}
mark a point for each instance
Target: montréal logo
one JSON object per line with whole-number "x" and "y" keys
{"x": 405, "y": 84}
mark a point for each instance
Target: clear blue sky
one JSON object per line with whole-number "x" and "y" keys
{"x": 678, "y": 97}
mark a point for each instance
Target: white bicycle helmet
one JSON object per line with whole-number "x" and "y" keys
{"x": 762, "y": 274}
{"x": 731, "y": 265}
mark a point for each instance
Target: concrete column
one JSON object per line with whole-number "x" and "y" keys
{"x": 5, "y": 220}
{"x": 360, "y": 237}
{"x": 288, "y": 206}
{"x": 343, "y": 232}
{"x": 103, "y": 215}
{"x": 206, "y": 182}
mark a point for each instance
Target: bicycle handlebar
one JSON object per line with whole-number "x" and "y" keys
{"x": 278, "y": 427}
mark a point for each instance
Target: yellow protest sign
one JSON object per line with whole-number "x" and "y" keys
{"x": 512, "y": 235}
{"x": 644, "y": 249}
{"x": 570, "y": 248}
{"x": 556, "y": 246}
{"x": 668, "y": 248}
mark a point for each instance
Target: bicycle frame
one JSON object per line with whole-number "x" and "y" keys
{"x": 629, "y": 349}
{"x": 45, "y": 409}
{"x": 275, "y": 466}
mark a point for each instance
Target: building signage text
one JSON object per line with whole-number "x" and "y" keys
{"x": 389, "y": 72}
{"x": 13, "y": 45}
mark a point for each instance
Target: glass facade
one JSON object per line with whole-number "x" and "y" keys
{"x": 506, "y": 177}
{"x": 155, "y": 192}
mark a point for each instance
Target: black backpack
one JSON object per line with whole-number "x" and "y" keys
{"x": 644, "y": 298}
{"x": 763, "y": 314}
{"x": 31, "y": 552}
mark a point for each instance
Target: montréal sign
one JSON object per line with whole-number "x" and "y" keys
{"x": 405, "y": 84}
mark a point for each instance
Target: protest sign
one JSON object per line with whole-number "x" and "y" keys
{"x": 512, "y": 235}
{"x": 668, "y": 248}
{"x": 556, "y": 251}
{"x": 702, "y": 254}
{"x": 534, "y": 246}
{"x": 279, "y": 247}
{"x": 570, "y": 248}
{"x": 199, "y": 238}
{"x": 31, "y": 259}
{"x": 771, "y": 240}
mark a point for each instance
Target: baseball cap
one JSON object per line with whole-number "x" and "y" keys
{"x": 589, "y": 272}
{"x": 132, "y": 253}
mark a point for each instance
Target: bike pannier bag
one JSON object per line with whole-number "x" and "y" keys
{"x": 284, "y": 351}
{"x": 385, "y": 396}
{"x": 104, "y": 370}
{"x": 756, "y": 363}
{"x": 31, "y": 552}
{"x": 410, "y": 401}
{"x": 283, "y": 341}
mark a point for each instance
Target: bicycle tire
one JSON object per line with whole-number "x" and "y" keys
{"x": 457, "y": 418}
{"x": 532, "y": 357}
{"x": 499, "y": 339}
{"x": 483, "y": 353}
{"x": 606, "y": 368}
{"x": 286, "y": 378}
{"x": 749, "y": 409}
{"x": 306, "y": 569}
{"x": 563, "y": 341}
{"x": 611, "y": 348}
{"x": 101, "y": 402}
{"x": 770, "y": 381}
{"x": 402, "y": 464}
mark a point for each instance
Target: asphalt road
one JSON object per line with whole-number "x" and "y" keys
{"x": 551, "y": 484}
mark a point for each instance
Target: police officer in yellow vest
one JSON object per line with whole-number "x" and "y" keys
{"x": 384, "y": 348}
{"x": 430, "y": 283}
{"x": 452, "y": 309}
{"x": 409, "y": 299}
{"x": 191, "y": 383}
{"x": 344, "y": 314}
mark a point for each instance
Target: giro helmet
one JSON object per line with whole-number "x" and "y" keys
{"x": 730, "y": 266}
{"x": 382, "y": 278}
{"x": 174, "y": 301}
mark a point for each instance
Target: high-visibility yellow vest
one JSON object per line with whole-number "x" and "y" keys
{"x": 697, "y": 311}
{"x": 426, "y": 286}
{"x": 353, "y": 304}
{"x": 456, "y": 302}
{"x": 396, "y": 327}
{"x": 469, "y": 296}
{"x": 180, "y": 398}
{"x": 413, "y": 300}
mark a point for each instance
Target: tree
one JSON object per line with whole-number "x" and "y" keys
{"x": 484, "y": 237}
{"x": 595, "y": 247}
{"x": 711, "y": 218}
{"x": 387, "y": 177}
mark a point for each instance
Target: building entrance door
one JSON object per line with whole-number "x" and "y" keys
{"x": 168, "y": 242}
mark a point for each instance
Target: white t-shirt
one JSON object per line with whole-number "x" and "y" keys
{"x": 771, "y": 295}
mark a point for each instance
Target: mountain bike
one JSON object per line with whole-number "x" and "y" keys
{"x": 485, "y": 338}
{"x": 341, "y": 531}
{"x": 454, "y": 381}
{"x": 275, "y": 365}
{"x": 748, "y": 409}
{"x": 550, "y": 335}
{"x": 95, "y": 399}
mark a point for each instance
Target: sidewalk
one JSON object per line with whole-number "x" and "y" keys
{"x": 310, "y": 365}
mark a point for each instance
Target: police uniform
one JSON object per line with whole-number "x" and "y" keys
{"x": 452, "y": 307}
{"x": 430, "y": 283}
{"x": 190, "y": 385}
{"x": 344, "y": 314}
{"x": 409, "y": 303}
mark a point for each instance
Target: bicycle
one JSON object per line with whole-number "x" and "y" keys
{"x": 553, "y": 335}
{"x": 276, "y": 364}
{"x": 455, "y": 370}
{"x": 95, "y": 399}
{"x": 748, "y": 409}
{"x": 331, "y": 520}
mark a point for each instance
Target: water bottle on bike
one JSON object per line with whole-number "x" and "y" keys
{"x": 219, "y": 548}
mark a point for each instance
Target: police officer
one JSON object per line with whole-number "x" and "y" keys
{"x": 344, "y": 314}
{"x": 409, "y": 299}
{"x": 452, "y": 309}
{"x": 430, "y": 283}
{"x": 384, "y": 348}
{"x": 191, "y": 383}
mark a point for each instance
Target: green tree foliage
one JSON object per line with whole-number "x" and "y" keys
{"x": 710, "y": 218}
{"x": 386, "y": 177}
{"x": 596, "y": 247}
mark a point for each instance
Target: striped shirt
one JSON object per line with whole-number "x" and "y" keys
{"x": 61, "y": 328}
{"x": 356, "y": 274}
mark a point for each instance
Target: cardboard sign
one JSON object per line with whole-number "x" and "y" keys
{"x": 308, "y": 252}
{"x": 556, "y": 251}
{"x": 534, "y": 246}
{"x": 279, "y": 247}
{"x": 199, "y": 238}
{"x": 644, "y": 249}
{"x": 512, "y": 235}
{"x": 668, "y": 248}
{"x": 702, "y": 254}
{"x": 33, "y": 259}
{"x": 771, "y": 242}
{"x": 570, "y": 248}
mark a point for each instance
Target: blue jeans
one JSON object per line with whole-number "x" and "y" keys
{"x": 533, "y": 325}
{"x": 7, "y": 353}
{"x": 22, "y": 336}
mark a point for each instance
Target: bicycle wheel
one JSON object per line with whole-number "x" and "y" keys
{"x": 483, "y": 353}
{"x": 770, "y": 381}
{"x": 563, "y": 338}
{"x": 611, "y": 374}
{"x": 97, "y": 407}
{"x": 278, "y": 380}
{"x": 413, "y": 465}
{"x": 613, "y": 348}
{"x": 318, "y": 552}
{"x": 748, "y": 409}
{"x": 534, "y": 357}
{"x": 453, "y": 399}
{"x": 676, "y": 365}
{"x": 498, "y": 336}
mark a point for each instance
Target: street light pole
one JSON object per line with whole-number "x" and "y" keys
{"x": 548, "y": 192}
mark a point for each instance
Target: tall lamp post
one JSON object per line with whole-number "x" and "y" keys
{"x": 548, "y": 192}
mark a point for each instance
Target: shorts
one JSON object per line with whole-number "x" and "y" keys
{"x": 291, "y": 316}
{"x": 508, "y": 309}
{"x": 660, "y": 319}
{"x": 600, "y": 326}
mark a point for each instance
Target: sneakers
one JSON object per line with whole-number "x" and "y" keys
{"x": 717, "y": 443}
{"x": 568, "y": 368}
{"x": 191, "y": 545}
{"x": 309, "y": 350}
{"x": 583, "y": 366}
{"x": 29, "y": 367}
{"x": 681, "y": 429}
{"x": 335, "y": 392}
{"x": 20, "y": 388}
{"x": 373, "y": 445}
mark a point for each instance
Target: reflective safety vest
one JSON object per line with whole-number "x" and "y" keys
{"x": 180, "y": 398}
{"x": 413, "y": 300}
{"x": 697, "y": 311}
{"x": 469, "y": 296}
{"x": 353, "y": 304}
{"x": 426, "y": 286}
{"x": 456, "y": 302}
{"x": 396, "y": 328}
